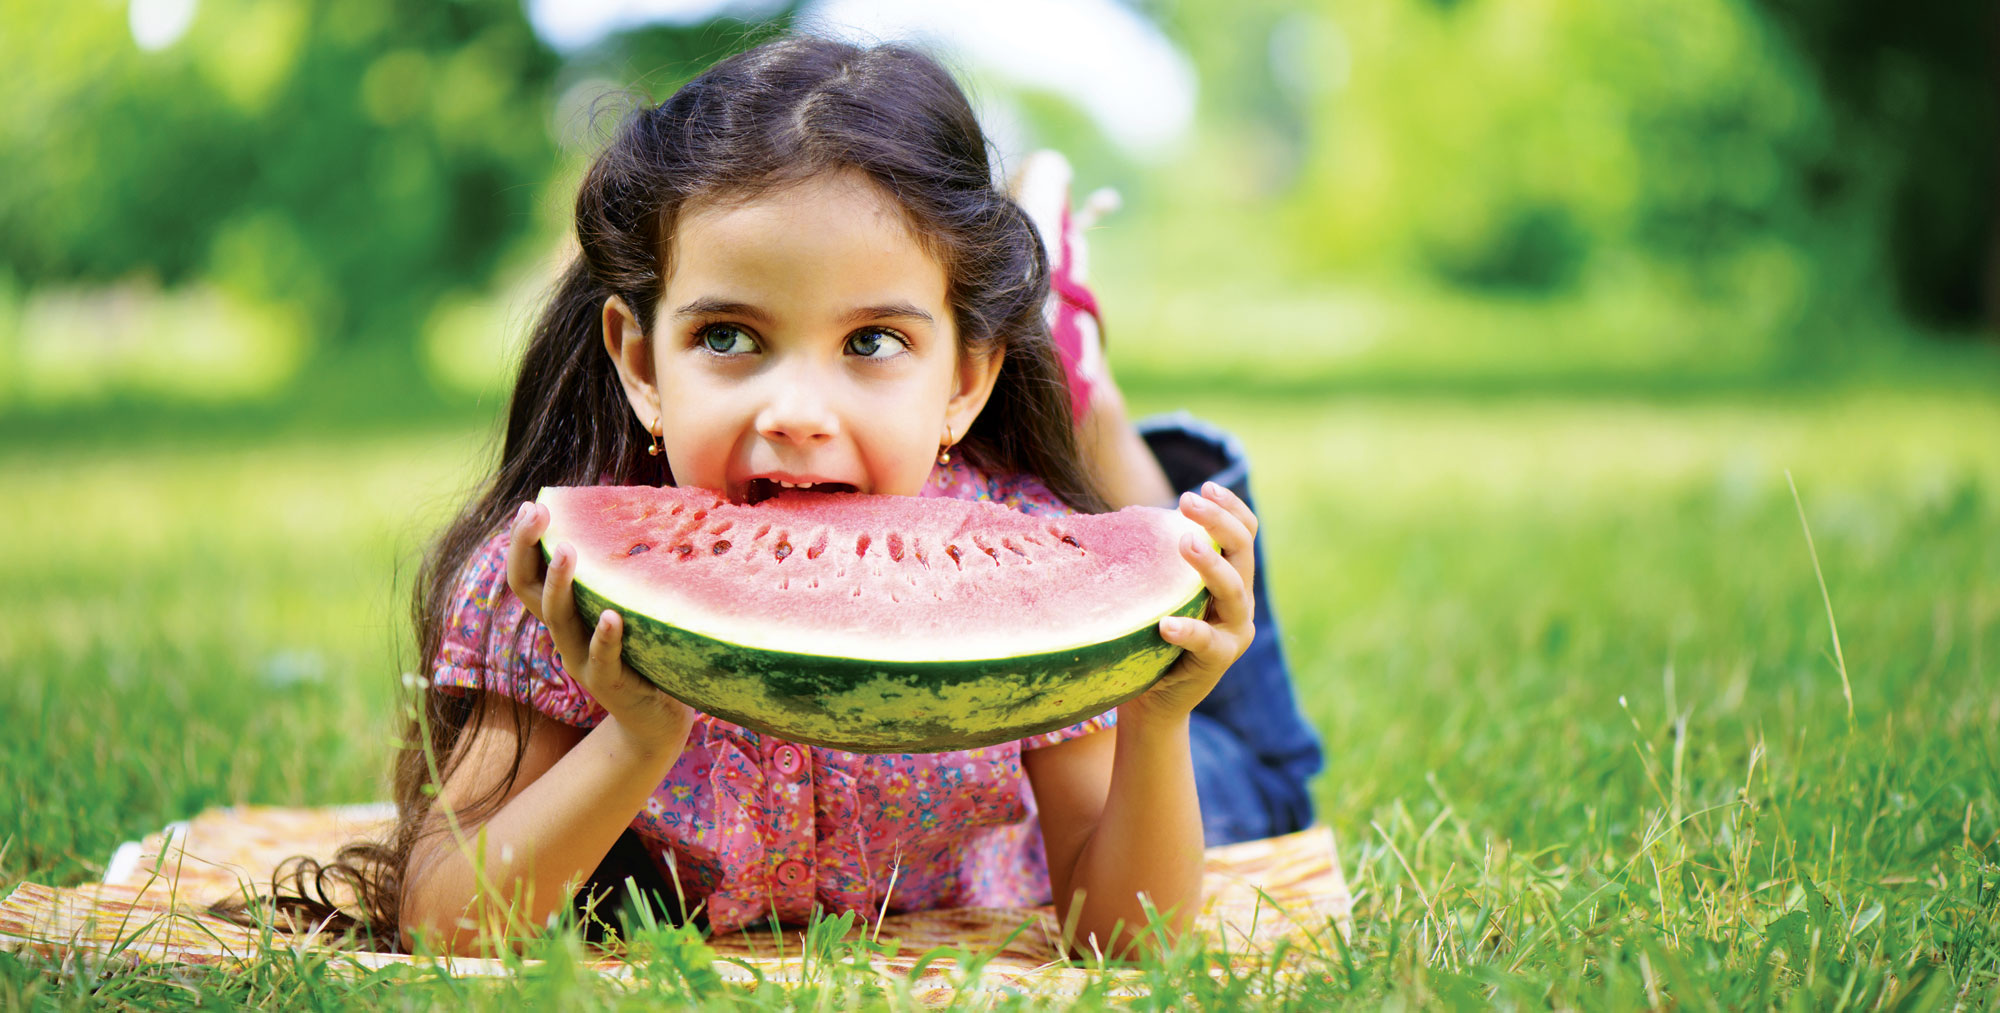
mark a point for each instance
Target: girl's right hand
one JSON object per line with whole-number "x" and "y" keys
{"x": 653, "y": 719}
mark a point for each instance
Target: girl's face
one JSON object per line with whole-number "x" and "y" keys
{"x": 802, "y": 337}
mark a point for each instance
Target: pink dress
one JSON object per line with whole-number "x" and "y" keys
{"x": 758, "y": 826}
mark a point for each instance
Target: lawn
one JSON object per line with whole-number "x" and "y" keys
{"x": 1590, "y": 740}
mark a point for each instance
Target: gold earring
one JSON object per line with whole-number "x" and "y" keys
{"x": 654, "y": 449}
{"x": 944, "y": 449}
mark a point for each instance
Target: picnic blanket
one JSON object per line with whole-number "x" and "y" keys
{"x": 152, "y": 907}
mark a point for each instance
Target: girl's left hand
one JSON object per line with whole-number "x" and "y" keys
{"x": 1215, "y": 641}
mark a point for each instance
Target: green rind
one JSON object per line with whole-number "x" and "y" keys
{"x": 891, "y": 706}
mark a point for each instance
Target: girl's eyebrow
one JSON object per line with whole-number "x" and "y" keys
{"x": 896, "y": 309}
{"x": 715, "y": 306}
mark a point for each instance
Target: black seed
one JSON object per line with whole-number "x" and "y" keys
{"x": 720, "y": 547}
{"x": 684, "y": 550}
{"x": 636, "y": 549}
{"x": 1067, "y": 540}
{"x": 784, "y": 549}
{"x": 952, "y": 551}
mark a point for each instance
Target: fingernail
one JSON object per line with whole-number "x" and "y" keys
{"x": 1194, "y": 544}
{"x": 1211, "y": 490}
{"x": 1174, "y": 627}
{"x": 522, "y": 513}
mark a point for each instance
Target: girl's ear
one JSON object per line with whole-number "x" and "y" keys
{"x": 631, "y": 352}
{"x": 976, "y": 375}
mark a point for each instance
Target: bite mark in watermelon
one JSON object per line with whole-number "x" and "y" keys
{"x": 880, "y": 623}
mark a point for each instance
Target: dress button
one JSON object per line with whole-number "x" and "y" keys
{"x": 788, "y": 760}
{"x": 791, "y": 873}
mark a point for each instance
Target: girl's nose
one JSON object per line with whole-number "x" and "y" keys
{"x": 797, "y": 413}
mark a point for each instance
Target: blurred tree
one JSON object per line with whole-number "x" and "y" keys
{"x": 1915, "y": 94}
{"x": 347, "y": 159}
{"x": 1788, "y": 158}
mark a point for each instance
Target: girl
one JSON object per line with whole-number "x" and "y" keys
{"x": 796, "y": 270}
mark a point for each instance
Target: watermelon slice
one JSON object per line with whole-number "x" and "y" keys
{"x": 880, "y": 623}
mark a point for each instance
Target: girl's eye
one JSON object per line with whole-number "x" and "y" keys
{"x": 876, "y": 343}
{"x": 726, "y": 339}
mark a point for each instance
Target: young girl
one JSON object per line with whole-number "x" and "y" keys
{"x": 796, "y": 270}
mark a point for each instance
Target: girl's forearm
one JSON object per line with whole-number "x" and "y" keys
{"x": 1148, "y": 839}
{"x": 1127, "y": 471}
{"x": 537, "y": 847}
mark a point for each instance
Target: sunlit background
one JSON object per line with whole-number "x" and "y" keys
{"x": 1525, "y": 309}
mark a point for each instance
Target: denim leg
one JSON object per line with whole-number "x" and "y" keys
{"x": 1253, "y": 750}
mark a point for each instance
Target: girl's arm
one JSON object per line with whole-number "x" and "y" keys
{"x": 1126, "y": 469}
{"x": 1118, "y": 811}
{"x": 572, "y": 792}
{"x": 468, "y": 887}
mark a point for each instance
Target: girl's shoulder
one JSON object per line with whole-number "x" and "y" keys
{"x": 961, "y": 480}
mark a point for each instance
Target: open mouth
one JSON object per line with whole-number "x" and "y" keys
{"x": 757, "y": 490}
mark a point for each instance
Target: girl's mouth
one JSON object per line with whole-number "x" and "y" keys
{"x": 757, "y": 490}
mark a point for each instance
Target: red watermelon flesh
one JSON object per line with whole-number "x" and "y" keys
{"x": 893, "y": 578}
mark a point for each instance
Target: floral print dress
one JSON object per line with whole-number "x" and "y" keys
{"x": 755, "y": 826}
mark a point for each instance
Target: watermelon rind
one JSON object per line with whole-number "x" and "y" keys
{"x": 889, "y": 702}
{"x": 874, "y": 706}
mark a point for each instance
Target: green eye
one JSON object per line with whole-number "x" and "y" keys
{"x": 726, "y": 339}
{"x": 876, "y": 344}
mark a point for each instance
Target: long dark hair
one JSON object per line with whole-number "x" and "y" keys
{"x": 776, "y": 114}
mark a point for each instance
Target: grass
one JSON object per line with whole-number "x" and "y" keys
{"x": 1587, "y": 739}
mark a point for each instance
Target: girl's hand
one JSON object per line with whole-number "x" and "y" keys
{"x": 653, "y": 719}
{"x": 1215, "y": 641}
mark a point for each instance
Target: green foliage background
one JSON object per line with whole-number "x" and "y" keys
{"x": 1680, "y": 188}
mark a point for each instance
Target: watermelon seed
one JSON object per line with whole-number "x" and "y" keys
{"x": 784, "y": 549}
{"x": 636, "y": 549}
{"x": 952, "y": 551}
{"x": 818, "y": 546}
{"x": 861, "y": 546}
{"x": 1067, "y": 540}
{"x": 684, "y": 550}
{"x": 895, "y": 547}
{"x": 721, "y": 546}
{"x": 1015, "y": 549}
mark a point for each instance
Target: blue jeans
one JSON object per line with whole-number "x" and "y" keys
{"x": 1253, "y": 750}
